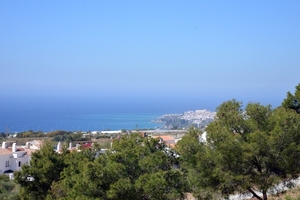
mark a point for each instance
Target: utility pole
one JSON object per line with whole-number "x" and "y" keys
{"x": 7, "y": 131}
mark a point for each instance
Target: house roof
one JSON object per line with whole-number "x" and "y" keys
{"x": 29, "y": 151}
{"x": 37, "y": 143}
{"x": 8, "y": 151}
{"x": 164, "y": 137}
{"x": 5, "y": 151}
{"x": 87, "y": 145}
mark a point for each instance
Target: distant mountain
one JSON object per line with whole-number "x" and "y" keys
{"x": 198, "y": 118}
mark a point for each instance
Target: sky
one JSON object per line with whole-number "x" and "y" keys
{"x": 172, "y": 55}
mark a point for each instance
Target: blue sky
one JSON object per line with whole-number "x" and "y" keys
{"x": 185, "y": 54}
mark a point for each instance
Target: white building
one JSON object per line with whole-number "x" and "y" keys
{"x": 12, "y": 157}
{"x": 111, "y": 132}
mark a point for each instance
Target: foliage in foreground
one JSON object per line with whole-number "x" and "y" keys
{"x": 246, "y": 150}
{"x": 35, "y": 179}
{"x": 136, "y": 168}
{"x": 8, "y": 189}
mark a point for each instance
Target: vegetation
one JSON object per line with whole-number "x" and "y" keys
{"x": 44, "y": 169}
{"x": 30, "y": 134}
{"x": 8, "y": 189}
{"x": 292, "y": 101}
{"x": 247, "y": 149}
{"x": 135, "y": 168}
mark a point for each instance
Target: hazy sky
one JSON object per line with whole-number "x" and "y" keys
{"x": 198, "y": 53}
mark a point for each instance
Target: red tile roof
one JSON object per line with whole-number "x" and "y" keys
{"x": 164, "y": 137}
{"x": 5, "y": 151}
{"x": 86, "y": 145}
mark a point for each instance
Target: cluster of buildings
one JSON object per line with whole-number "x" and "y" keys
{"x": 198, "y": 118}
{"x": 12, "y": 157}
{"x": 199, "y": 115}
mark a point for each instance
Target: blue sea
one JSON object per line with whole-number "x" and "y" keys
{"x": 24, "y": 120}
{"x": 50, "y": 121}
{"x": 87, "y": 114}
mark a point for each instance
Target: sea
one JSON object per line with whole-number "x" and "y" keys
{"x": 31, "y": 113}
{"x": 49, "y": 121}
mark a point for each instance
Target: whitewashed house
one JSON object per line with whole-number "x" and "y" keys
{"x": 12, "y": 157}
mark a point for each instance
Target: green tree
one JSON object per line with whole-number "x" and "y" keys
{"x": 57, "y": 132}
{"x": 8, "y": 189}
{"x": 75, "y": 163}
{"x": 292, "y": 101}
{"x": 135, "y": 168}
{"x": 245, "y": 151}
{"x": 36, "y": 179}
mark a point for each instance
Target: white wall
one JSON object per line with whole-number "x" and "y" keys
{"x": 13, "y": 162}
{"x": 3, "y": 159}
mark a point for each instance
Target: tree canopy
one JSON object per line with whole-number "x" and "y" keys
{"x": 8, "y": 189}
{"x": 134, "y": 168}
{"x": 36, "y": 179}
{"x": 249, "y": 150}
{"x": 292, "y": 101}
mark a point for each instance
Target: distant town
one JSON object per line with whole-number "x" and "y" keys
{"x": 198, "y": 119}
